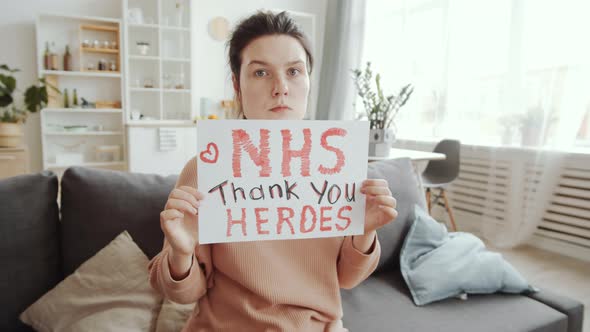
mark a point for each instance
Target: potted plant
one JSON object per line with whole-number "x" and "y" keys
{"x": 380, "y": 109}
{"x": 12, "y": 116}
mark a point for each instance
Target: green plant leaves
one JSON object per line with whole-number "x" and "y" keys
{"x": 35, "y": 98}
{"x": 381, "y": 109}
{"x": 6, "y": 68}
{"x": 7, "y": 86}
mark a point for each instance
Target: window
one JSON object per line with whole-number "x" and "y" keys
{"x": 492, "y": 72}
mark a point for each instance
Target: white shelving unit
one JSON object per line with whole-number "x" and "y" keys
{"x": 94, "y": 127}
{"x": 166, "y": 137}
{"x": 158, "y": 81}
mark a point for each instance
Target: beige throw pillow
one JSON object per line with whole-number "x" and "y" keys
{"x": 109, "y": 292}
{"x": 174, "y": 316}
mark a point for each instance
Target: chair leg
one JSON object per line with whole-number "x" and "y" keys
{"x": 448, "y": 207}
{"x": 428, "y": 199}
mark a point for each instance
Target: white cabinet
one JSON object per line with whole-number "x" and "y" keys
{"x": 160, "y": 150}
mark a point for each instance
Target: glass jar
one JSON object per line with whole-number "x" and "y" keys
{"x": 102, "y": 64}
{"x": 167, "y": 81}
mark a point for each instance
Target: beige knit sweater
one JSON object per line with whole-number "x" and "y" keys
{"x": 280, "y": 285}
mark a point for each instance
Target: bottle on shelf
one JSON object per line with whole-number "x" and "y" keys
{"x": 66, "y": 99}
{"x": 46, "y": 57}
{"x": 180, "y": 81}
{"x": 102, "y": 64}
{"x": 68, "y": 59}
{"x": 75, "y": 99}
{"x": 53, "y": 56}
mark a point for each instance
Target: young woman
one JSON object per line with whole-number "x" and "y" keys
{"x": 281, "y": 285}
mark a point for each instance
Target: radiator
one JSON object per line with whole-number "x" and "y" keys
{"x": 561, "y": 202}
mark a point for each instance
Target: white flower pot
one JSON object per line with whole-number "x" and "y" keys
{"x": 380, "y": 141}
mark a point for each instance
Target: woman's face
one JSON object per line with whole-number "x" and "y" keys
{"x": 274, "y": 83}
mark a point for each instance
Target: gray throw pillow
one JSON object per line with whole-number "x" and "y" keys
{"x": 97, "y": 205}
{"x": 437, "y": 265}
{"x": 29, "y": 244}
{"x": 405, "y": 187}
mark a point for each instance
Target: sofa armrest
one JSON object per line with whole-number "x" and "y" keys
{"x": 572, "y": 308}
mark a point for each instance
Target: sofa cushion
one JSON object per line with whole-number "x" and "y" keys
{"x": 97, "y": 205}
{"x": 383, "y": 303}
{"x": 405, "y": 187}
{"x": 29, "y": 243}
{"x": 108, "y": 292}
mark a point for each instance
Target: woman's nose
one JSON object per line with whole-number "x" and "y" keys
{"x": 280, "y": 87}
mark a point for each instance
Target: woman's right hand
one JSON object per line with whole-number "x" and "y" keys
{"x": 179, "y": 220}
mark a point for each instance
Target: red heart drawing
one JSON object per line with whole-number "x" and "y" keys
{"x": 209, "y": 156}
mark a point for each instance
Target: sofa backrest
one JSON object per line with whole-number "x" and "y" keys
{"x": 29, "y": 244}
{"x": 405, "y": 187}
{"x": 97, "y": 205}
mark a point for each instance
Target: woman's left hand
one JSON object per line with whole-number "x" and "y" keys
{"x": 380, "y": 206}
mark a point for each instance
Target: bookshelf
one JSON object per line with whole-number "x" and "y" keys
{"x": 73, "y": 136}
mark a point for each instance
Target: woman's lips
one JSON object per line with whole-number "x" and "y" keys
{"x": 279, "y": 108}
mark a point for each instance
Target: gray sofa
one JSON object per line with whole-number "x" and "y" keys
{"x": 42, "y": 243}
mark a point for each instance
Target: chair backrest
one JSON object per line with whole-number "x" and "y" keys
{"x": 447, "y": 169}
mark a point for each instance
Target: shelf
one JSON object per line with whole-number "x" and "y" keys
{"x": 150, "y": 26}
{"x": 156, "y": 26}
{"x": 145, "y": 89}
{"x": 100, "y": 50}
{"x": 176, "y": 59}
{"x": 167, "y": 27}
{"x": 177, "y": 90}
{"x": 84, "y": 133}
{"x": 81, "y": 73}
{"x": 158, "y": 90}
{"x": 99, "y": 27}
{"x": 91, "y": 164}
{"x": 160, "y": 123}
{"x": 82, "y": 110}
{"x": 153, "y": 57}
{"x": 101, "y": 71}
{"x": 143, "y": 57}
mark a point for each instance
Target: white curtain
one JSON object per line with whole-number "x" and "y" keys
{"x": 345, "y": 21}
{"x": 505, "y": 73}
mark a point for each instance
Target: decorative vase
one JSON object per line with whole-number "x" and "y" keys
{"x": 380, "y": 141}
{"x": 11, "y": 134}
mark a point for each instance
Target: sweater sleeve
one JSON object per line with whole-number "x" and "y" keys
{"x": 195, "y": 284}
{"x": 355, "y": 266}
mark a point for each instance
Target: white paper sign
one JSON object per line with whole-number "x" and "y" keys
{"x": 279, "y": 179}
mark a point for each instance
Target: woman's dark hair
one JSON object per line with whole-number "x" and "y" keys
{"x": 264, "y": 23}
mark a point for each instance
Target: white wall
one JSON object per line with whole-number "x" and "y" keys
{"x": 211, "y": 75}
{"x": 17, "y": 40}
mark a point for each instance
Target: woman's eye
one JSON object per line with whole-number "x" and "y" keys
{"x": 294, "y": 71}
{"x": 260, "y": 73}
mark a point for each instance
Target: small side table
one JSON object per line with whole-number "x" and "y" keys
{"x": 13, "y": 161}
